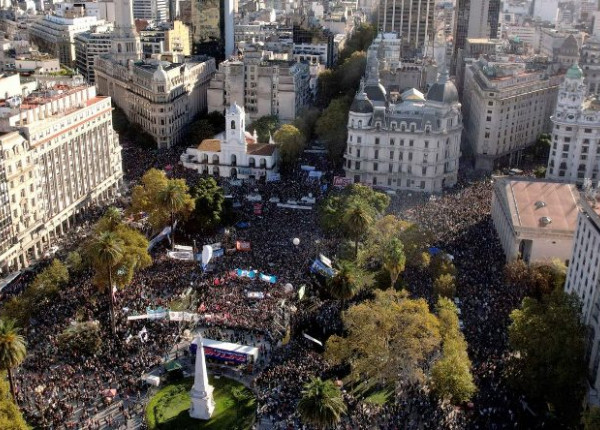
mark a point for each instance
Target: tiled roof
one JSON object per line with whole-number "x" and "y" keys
{"x": 210, "y": 145}
{"x": 264, "y": 149}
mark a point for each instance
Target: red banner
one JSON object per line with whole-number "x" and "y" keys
{"x": 257, "y": 208}
{"x": 341, "y": 181}
{"x": 243, "y": 246}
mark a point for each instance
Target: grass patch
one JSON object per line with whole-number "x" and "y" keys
{"x": 169, "y": 408}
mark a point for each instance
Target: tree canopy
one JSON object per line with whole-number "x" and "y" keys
{"x": 10, "y": 415}
{"x": 321, "y": 403}
{"x": 390, "y": 339}
{"x": 290, "y": 143}
{"x": 265, "y": 126}
{"x": 332, "y": 129}
{"x": 210, "y": 208}
{"x": 536, "y": 279}
{"x": 548, "y": 364}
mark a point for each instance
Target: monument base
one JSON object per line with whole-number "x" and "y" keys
{"x": 203, "y": 404}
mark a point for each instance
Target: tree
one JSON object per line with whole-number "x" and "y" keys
{"x": 451, "y": 375}
{"x": 163, "y": 199}
{"x": 351, "y": 71}
{"x": 445, "y": 286}
{"x": 106, "y": 250}
{"x": 265, "y": 126}
{"x": 74, "y": 262}
{"x": 591, "y": 418}
{"x": 390, "y": 339}
{"x": 321, "y": 403}
{"x": 536, "y": 279}
{"x": 357, "y": 219}
{"x": 332, "y": 128}
{"x": 176, "y": 199}
{"x": 82, "y": 338}
{"x": 307, "y": 121}
{"x": 110, "y": 220}
{"x": 347, "y": 281}
{"x": 360, "y": 40}
{"x": 10, "y": 415}
{"x": 290, "y": 143}
{"x": 394, "y": 260}
{"x": 209, "y": 205}
{"x": 12, "y": 351}
{"x": 441, "y": 264}
{"x": 548, "y": 364}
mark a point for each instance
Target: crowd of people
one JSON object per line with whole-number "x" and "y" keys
{"x": 57, "y": 390}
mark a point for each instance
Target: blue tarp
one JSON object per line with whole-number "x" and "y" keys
{"x": 243, "y": 224}
{"x": 434, "y": 251}
{"x": 268, "y": 278}
{"x": 246, "y": 273}
{"x": 319, "y": 267}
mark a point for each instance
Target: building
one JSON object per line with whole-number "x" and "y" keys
{"x": 212, "y": 26}
{"x": 163, "y": 97}
{"x": 506, "y": 107}
{"x": 590, "y": 63}
{"x": 235, "y": 153}
{"x": 408, "y": 143}
{"x": 575, "y": 153}
{"x": 545, "y": 10}
{"x": 561, "y": 47}
{"x": 55, "y": 34}
{"x": 475, "y": 19}
{"x": 412, "y": 19}
{"x": 151, "y": 10}
{"x": 89, "y": 45}
{"x": 262, "y": 85}
{"x": 535, "y": 219}
{"x": 583, "y": 279}
{"x": 168, "y": 37}
{"x": 59, "y": 155}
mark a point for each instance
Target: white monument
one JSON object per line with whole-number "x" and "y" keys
{"x": 203, "y": 404}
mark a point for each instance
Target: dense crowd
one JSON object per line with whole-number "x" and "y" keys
{"x": 57, "y": 390}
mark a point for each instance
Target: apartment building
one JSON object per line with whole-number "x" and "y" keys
{"x": 89, "y": 45}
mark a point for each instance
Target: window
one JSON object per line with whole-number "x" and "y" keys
{"x": 424, "y": 171}
{"x": 233, "y": 125}
{"x": 426, "y": 144}
{"x": 357, "y": 165}
{"x": 358, "y": 152}
{"x": 401, "y": 142}
{"x": 391, "y": 155}
{"x": 411, "y": 143}
{"x": 422, "y": 185}
{"x": 391, "y": 142}
{"x": 410, "y": 156}
{"x": 390, "y": 168}
{"x": 376, "y": 154}
{"x": 376, "y": 141}
{"x": 375, "y": 167}
{"x": 359, "y": 139}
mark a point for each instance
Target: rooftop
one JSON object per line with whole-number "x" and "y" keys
{"x": 540, "y": 204}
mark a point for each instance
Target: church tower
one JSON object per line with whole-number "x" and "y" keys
{"x": 571, "y": 94}
{"x": 125, "y": 43}
{"x": 235, "y": 126}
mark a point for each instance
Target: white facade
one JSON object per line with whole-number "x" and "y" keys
{"x": 151, "y": 10}
{"x": 506, "y": 107}
{"x": 535, "y": 219}
{"x": 583, "y": 279}
{"x": 262, "y": 86}
{"x": 59, "y": 155}
{"x": 55, "y": 35}
{"x": 161, "y": 96}
{"x": 546, "y": 10}
{"x": 88, "y": 46}
{"x": 235, "y": 153}
{"x": 575, "y": 153}
{"x": 407, "y": 144}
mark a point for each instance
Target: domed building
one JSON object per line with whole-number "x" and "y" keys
{"x": 575, "y": 151}
{"x": 410, "y": 142}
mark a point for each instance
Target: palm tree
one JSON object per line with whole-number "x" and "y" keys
{"x": 345, "y": 283}
{"x": 357, "y": 219}
{"x": 321, "y": 404}
{"x": 105, "y": 251}
{"x": 393, "y": 258}
{"x": 112, "y": 218}
{"x": 175, "y": 198}
{"x": 12, "y": 350}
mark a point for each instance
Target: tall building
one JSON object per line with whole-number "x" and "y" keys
{"x": 506, "y": 107}
{"x": 167, "y": 37}
{"x": 89, "y": 45}
{"x": 583, "y": 279}
{"x": 575, "y": 153}
{"x": 59, "y": 155}
{"x": 545, "y": 10}
{"x": 412, "y": 19}
{"x": 55, "y": 34}
{"x": 590, "y": 63}
{"x": 475, "y": 19}
{"x": 163, "y": 97}
{"x": 262, "y": 86}
{"x": 151, "y": 10}
{"x": 407, "y": 143}
{"x": 212, "y": 26}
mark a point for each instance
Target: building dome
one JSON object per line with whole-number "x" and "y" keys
{"x": 574, "y": 72}
{"x": 443, "y": 91}
{"x": 376, "y": 92}
{"x": 361, "y": 105}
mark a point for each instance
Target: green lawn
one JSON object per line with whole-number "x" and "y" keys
{"x": 169, "y": 408}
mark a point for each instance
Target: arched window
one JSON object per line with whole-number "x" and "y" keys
{"x": 205, "y": 158}
{"x": 263, "y": 163}
{"x": 119, "y": 47}
{"x": 215, "y": 159}
{"x": 352, "y": 124}
{"x": 232, "y": 125}
{"x": 251, "y": 162}
{"x": 360, "y": 123}
{"x": 233, "y": 159}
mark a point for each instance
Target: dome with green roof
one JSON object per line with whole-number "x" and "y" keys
{"x": 575, "y": 72}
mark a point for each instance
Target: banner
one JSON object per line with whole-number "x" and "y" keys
{"x": 289, "y": 206}
{"x": 207, "y": 254}
{"x": 273, "y": 177}
{"x": 156, "y": 314}
{"x": 164, "y": 233}
{"x": 246, "y": 273}
{"x": 255, "y": 295}
{"x": 257, "y": 208}
{"x": 342, "y": 181}
{"x": 181, "y": 255}
{"x": 301, "y": 292}
{"x": 183, "y": 248}
{"x": 319, "y": 267}
{"x": 307, "y": 168}
{"x": 242, "y": 245}
{"x": 268, "y": 278}
{"x": 315, "y": 174}
{"x": 218, "y": 253}
{"x": 221, "y": 355}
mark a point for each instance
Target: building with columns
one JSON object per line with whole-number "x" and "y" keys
{"x": 411, "y": 142}
{"x": 235, "y": 153}
{"x": 59, "y": 155}
{"x": 575, "y": 152}
{"x": 162, "y": 96}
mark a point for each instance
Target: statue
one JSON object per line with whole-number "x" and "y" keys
{"x": 202, "y": 405}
